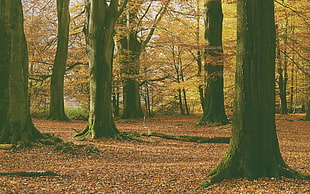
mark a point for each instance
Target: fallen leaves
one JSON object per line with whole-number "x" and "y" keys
{"x": 155, "y": 165}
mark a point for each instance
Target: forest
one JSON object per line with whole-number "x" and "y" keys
{"x": 167, "y": 96}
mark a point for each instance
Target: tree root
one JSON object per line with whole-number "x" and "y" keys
{"x": 224, "y": 172}
{"x": 185, "y": 138}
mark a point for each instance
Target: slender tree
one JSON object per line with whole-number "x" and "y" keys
{"x": 101, "y": 16}
{"x": 213, "y": 110}
{"x": 15, "y": 121}
{"x": 57, "y": 111}
{"x": 254, "y": 150}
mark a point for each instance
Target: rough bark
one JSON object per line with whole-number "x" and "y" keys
{"x": 99, "y": 30}
{"x": 15, "y": 122}
{"x": 213, "y": 111}
{"x": 254, "y": 150}
{"x": 57, "y": 110}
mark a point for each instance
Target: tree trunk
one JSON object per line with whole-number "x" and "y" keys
{"x": 213, "y": 111}
{"x": 181, "y": 102}
{"x": 130, "y": 70}
{"x": 100, "y": 22}
{"x": 282, "y": 90}
{"x": 57, "y": 111}
{"x": 132, "y": 104}
{"x": 254, "y": 150}
{"x": 308, "y": 94}
{"x": 185, "y": 102}
{"x": 15, "y": 121}
{"x": 116, "y": 97}
{"x": 133, "y": 48}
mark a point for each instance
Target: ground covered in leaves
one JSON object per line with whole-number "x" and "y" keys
{"x": 154, "y": 165}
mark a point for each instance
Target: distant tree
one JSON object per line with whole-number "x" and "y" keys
{"x": 254, "y": 149}
{"x": 101, "y": 16}
{"x": 56, "y": 110}
{"x": 15, "y": 121}
{"x": 132, "y": 47}
{"x": 213, "y": 105}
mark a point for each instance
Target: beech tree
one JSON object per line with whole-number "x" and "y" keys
{"x": 57, "y": 110}
{"x": 213, "y": 105}
{"x": 101, "y": 16}
{"x": 254, "y": 149}
{"x": 15, "y": 121}
{"x": 132, "y": 47}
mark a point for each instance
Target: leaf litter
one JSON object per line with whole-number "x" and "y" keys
{"x": 154, "y": 165}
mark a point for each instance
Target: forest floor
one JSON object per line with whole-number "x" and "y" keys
{"x": 155, "y": 165}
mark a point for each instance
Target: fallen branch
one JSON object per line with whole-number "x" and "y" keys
{"x": 29, "y": 173}
{"x": 185, "y": 138}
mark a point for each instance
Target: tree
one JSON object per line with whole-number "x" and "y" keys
{"x": 15, "y": 121}
{"x": 133, "y": 47}
{"x": 307, "y": 79}
{"x": 57, "y": 110}
{"x": 101, "y": 16}
{"x": 213, "y": 110}
{"x": 254, "y": 150}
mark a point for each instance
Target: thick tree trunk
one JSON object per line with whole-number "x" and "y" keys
{"x": 213, "y": 111}
{"x": 101, "y": 17}
{"x": 15, "y": 121}
{"x": 130, "y": 72}
{"x": 132, "y": 103}
{"x": 57, "y": 111}
{"x": 133, "y": 48}
{"x": 254, "y": 150}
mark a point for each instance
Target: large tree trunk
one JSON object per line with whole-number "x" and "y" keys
{"x": 213, "y": 111}
{"x": 15, "y": 121}
{"x": 101, "y": 17}
{"x": 131, "y": 48}
{"x": 254, "y": 150}
{"x": 57, "y": 111}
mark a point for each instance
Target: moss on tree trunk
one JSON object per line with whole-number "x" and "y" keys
{"x": 99, "y": 30}
{"x": 15, "y": 122}
{"x": 57, "y": 110}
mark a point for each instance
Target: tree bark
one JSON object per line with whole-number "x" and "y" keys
{"x": 130, "y": 67}
{"x": 57, "y": 110}
{"x": 213, "y": 111}
{"x": 15, "y": 122}
{"x": 254, "y": 150}
{"x": 132, "y": 48}
{"x": 308, "y": 94}
{"x": 99, "y": 30}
